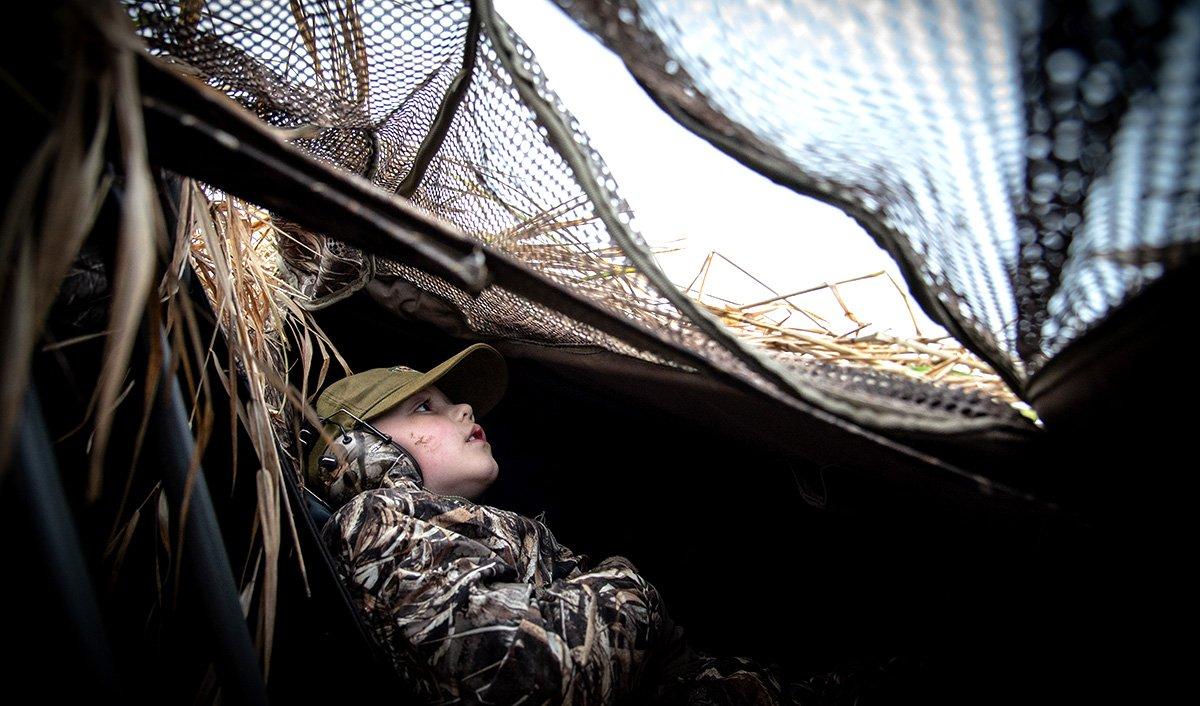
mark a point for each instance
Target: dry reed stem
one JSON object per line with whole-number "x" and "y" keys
{"x": 36, "y": 252}
{"x": 227, "y": 260}
{"x": 785, "y": 298}
{"x": 915, "y": 357}
{"x": 139, "y": 236}
{"x": 232, "y": 247}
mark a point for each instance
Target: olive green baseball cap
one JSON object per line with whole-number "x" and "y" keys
{"x": 476, "y": 375}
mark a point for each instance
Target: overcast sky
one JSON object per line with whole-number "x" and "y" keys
{"x": 681, "y": 187}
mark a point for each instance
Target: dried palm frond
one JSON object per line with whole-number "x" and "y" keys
{"x": 101, "y": 93}
{"x": 39, "y": 250}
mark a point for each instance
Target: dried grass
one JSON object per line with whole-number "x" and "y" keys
{"x": 232, "y": 247}
{"x": 36, "y": 249}
{"x": 558, "y": 240}
{"x": 942, "y": 360}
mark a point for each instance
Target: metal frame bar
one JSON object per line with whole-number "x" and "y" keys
{"x": 51, "y": 526}
{"x": 206, "y": 563}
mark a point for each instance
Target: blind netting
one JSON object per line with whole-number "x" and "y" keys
{"x": 1029, "y": 168}
{"x": 1033, "y": 165}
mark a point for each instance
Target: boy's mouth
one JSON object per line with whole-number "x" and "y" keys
{"x": 476, "y": 434}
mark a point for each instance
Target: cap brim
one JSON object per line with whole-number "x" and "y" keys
{"x": 476, "y": 375}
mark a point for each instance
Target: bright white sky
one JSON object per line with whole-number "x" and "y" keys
{"x": 680, "y": 187}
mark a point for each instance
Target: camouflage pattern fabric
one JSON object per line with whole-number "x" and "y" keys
{"x": 480, "y": 605}
{"x": 364, "y": 461}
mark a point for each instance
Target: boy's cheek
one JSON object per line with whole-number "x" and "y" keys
{"x": 423, "y": 441}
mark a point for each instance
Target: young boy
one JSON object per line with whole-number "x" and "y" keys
{"x": 473, "y": 603}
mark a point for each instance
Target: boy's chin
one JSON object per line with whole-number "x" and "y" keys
{"x": 478, "y": 488}
{"x": 484, "y": 487}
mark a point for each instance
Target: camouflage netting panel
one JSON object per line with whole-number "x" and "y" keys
{"x": 361, "y": 85}
{"x": 1033, "y": 165}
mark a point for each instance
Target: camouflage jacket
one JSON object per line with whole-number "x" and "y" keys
{"x": 481, "y": 605}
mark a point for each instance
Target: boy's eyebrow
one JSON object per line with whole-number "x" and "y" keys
{"x": 413, "y": 400}
{"x": 420, "y": 395}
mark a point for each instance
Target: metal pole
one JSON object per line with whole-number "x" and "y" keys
{"x": 206, "y": 564}
{"x": 39, "y": 491}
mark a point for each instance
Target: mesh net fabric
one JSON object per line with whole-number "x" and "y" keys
{"x": 368, "y": 82}
{"x": 1032, "y": 166}
{"x": 1030, "y": 171}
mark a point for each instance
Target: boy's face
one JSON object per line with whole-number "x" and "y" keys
{"x": 452, "y": 450}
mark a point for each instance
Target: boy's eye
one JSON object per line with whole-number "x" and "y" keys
{"x": 424, "y": 404}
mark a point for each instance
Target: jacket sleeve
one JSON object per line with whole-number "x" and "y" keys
{"x": 446, "y": 592}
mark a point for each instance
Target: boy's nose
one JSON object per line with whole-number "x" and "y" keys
{"x": 465, "y": 411}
